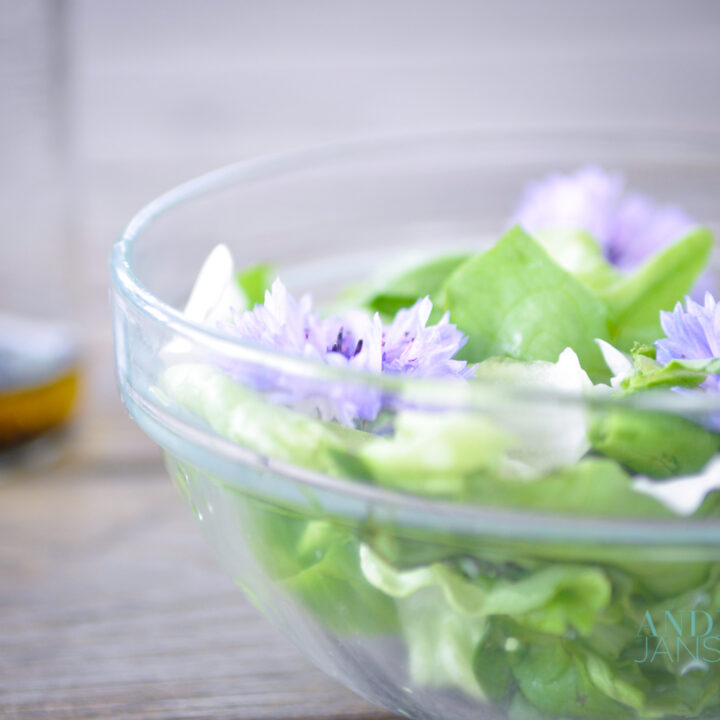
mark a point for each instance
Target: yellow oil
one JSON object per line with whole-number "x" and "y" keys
{"x": 27, "y": 412}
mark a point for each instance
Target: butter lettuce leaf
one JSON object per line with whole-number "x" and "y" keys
{"x": 592, "y": 487}
{"x": 325, "y": 574}
{"x": 436, "y": 602}
{"x": 515, "y": 300}
{"x": 254, "y": 281}
{"x": 443, "y": 454}
{"x": 441, "y": 643}
{"x": 426, "y": 279}
{"x": 579, "y": 254}
{"x": 552, "y": 599}
{"x": 640, "y": 370}
{"x": 656, "y": 444}
{"x": 649, "y": 374}
{"x": 634, "y": 301}
{"x": 255, "y": 422}
{"x": 555, "y": 680}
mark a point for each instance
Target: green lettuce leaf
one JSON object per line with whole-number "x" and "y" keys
{"x": 555, "y": 680}
{"x": 491, "y": 662}
{"x": 592, "y": 487}
{"x": 404, "y": 290}
{"x": 327, "y": 577}
{"x": 552, "y": 599}
{"x": 254, "y": 281}
{"x": 563, "y": 677}
{"x": 515, "y": 300}
{"x": 640, "y": 370}
{"x": 251, "y": 420}
{"x": 436, "y": 602}
{"x": 441, "y": 642}
{"x": 442, "y": 454}
{"x": 648, "y": 374}
{"x": 579, "y": 254}
{"x": 318, "y": 562}
{"x": 634, "y": 301}
{"x": 576, "y": 252}
{"x": 656, "y": 444}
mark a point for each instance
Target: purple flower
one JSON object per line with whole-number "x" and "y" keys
{"x": 281, "y": 322}
{"x": 692, "y": 333}
{"x": 629, "y": 227}
{"x": 642, "y": 228}
{"x": 411, "y": 347}
{"x": 408, "y": 346}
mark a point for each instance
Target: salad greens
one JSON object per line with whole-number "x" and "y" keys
{"x": 580, "y": 255}
{"x": 532, "y": 308}
{"x": 645, "y": 373}
{"x": 426, "y": 279}
{"x": 456, "y": 457}
{"x": 559, "y": 343}
{"x": 254, "y": 281}
{"x": 653, "y": 443}
{"x": 242, "y": 415}
{"x": 634, "y": 301}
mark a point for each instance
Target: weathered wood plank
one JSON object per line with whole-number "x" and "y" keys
{"x": 112, "y": 606}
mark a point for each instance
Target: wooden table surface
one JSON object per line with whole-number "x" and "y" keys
{"x": 111, "y": 606}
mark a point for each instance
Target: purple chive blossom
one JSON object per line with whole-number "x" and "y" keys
{"x": 642, "y": 228}
{"x": 408, "y": 346}
{"x": 692, "y": 333}
{"x": 281, "y": 322}
{"x": 629, "y": 227}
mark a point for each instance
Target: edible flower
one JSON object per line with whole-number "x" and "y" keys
{"x": 629, "y": 227}
{"x": 692, "y": 333}
{"x": 412, "y": 347}
{"x": 408, "y": 346}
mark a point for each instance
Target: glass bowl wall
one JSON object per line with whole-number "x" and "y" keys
{"x": 430, "y": 608}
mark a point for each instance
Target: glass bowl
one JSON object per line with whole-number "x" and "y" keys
{"x": 571, "y": 605}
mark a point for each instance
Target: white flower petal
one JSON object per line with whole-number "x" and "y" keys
{"x": 213, "y": 295}
{"x": 215, "y": 291}
{"x": 683, "y": 495}
{"x": 619, "y": 364}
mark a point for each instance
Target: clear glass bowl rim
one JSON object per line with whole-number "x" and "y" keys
{"x": 447, "y": 393}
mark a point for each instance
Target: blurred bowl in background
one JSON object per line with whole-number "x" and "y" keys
{"x": 39, "y": 378}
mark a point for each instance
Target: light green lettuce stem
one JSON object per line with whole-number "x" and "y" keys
{"x": 255, "y": 422}
{"x": 430, "y": 453}
{"x": 443, "y": 454}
